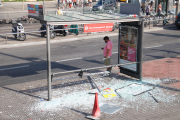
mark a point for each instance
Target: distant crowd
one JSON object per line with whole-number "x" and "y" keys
{"x": 74, "y": 3}
{"x": 150, "y": 8}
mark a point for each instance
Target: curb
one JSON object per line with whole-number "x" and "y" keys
{"x": 54, "y": 41}
{"x": 150, "y": 30}
{"x": 67, "y": 39}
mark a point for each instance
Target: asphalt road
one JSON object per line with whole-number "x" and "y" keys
{"x": 22, "y": 64}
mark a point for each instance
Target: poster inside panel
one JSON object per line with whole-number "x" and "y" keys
{"x": 128, "y": 47}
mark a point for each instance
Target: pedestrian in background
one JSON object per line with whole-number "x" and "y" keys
{"x": 74, "y": 3}
{"x": 107, "y": 51}
{"x": 82, "y": 3}
{"x": 59, "y": 12}
{"x": 148, "y": 10}
{"x": 64, "y": 4}
{"x": 90, "y": 3}
{"x": 70, "y": 3}
{"x": 151, "y": 2}
{"x": 143, "y": 7}
{"x": 159, "y": 9}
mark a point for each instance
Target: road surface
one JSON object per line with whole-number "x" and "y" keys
{"x": 22, "y": 64}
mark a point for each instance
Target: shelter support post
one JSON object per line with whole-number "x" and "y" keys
{"x": 141, "y": 51}
{"x": 44, "y": 8}
{"x": 48, "y": 63}
{"x": 23, "y": 5}
{"x": 90, "y": 78}
{"x": 177, "y": 5}
{"x": 149, "y": 24}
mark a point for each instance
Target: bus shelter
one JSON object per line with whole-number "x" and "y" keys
{"x": 130, "y": 40}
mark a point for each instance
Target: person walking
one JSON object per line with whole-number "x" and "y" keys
{"x": 159, "y": 9}
{"x": 67, "y": 4}
{"x": 74, "y": 3}
{"x": 107, "y": 51}
{"x": 151, "y": 2}
{"x": 70, "y": 3}
{"x": 148, "y": 10}
{"x": 90, "y": 3}
{"x": 143, "y": 7}
{"x": 64, "y": 4}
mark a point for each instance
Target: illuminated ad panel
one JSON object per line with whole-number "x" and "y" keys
{"x": 128, "y": 47}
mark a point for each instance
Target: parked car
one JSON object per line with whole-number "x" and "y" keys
{"x": 177, "y": 22}
{"x": 104, "y": 5}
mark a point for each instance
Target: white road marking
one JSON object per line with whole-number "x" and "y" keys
{"x": 154, "y": 46}
{"x": 14, "y": 68}
{"x": 114, "y": 52}
{"x": 70, "y": 59}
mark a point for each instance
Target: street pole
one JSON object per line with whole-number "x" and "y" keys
{"x": 83, "y": 5}
{"x": 23, "y": 5}
{"x": 58, "y": 2}
{"x": 48, "y": 63}
{"x": 177, "y": 5}
{"x": 141, "y": 50}
{"x": 43, "y": 7}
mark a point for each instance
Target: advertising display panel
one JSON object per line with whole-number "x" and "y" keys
{"x": 130, "y": 48}
{"x": 35, "y": 10}
{"x": 101, "y": 27}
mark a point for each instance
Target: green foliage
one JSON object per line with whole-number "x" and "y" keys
{"x": 21, "y": 0}
{"x": 13, "y": 1}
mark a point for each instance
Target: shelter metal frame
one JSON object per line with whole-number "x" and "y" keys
{"x": 80, "y": 19}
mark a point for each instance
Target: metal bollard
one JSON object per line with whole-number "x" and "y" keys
{"x": 149, "y": 24}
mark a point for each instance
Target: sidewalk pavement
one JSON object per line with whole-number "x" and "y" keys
{"x": 18, "y": 6}
{"x": 71, "y": 101}
{"x": 15, "y": 43}
{"x": 9, "y": 6}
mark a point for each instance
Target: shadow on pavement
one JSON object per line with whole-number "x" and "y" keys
{"x": 29, "y": 92}
{"x": 86, "y": 114}
{"x": 22, "y": 92}
{"x": 166, "y": 35}
{"x": 168, "y": 51}
{"x": 150, "y": 84}
{"x": 156, "y": 57}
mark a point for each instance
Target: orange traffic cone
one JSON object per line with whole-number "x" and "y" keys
{"x": 96, "y": 110}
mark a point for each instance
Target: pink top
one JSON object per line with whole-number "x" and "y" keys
{"x": 109, "y": 46}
